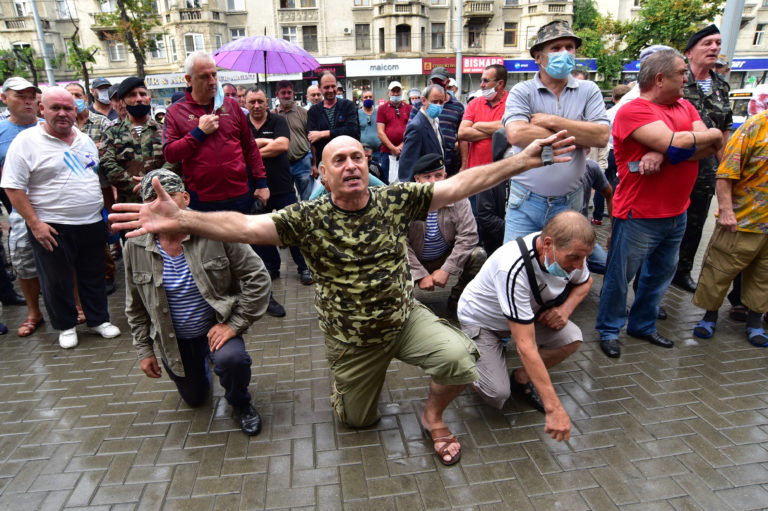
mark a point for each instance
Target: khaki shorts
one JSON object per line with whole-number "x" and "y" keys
{"x": 22, "y": 260}
{"x": 442, "y": 350}
{"x": 728, "y": 254}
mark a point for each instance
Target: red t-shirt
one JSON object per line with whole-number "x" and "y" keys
{"x": 661, "y": 195}
{"x": 479, "y": 110}
{"x": 394, "y": 126}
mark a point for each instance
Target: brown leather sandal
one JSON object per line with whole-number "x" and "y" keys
{"x": 443, "y": 435}
{"x": 29, "y": 326}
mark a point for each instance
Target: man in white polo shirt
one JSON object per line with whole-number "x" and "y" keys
{"x": 50, "y": 175}
{"x": 529, "y": 288}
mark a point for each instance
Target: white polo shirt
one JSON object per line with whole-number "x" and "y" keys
{"x": 61, "y": 180}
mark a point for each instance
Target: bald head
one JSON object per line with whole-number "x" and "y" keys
{"x": 343, "y": 141}
{"x": 58, "y": 109}
{"x": 60, "y": 93}
{"x": 569, "y": 226}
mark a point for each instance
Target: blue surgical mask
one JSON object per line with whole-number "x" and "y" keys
{"x": 80, "y": 104}
{"x": 339, "y": 96}
{"x": 554, "y": 268}
{"x": 560, "y": 64}
{"x": 396, "y": 99}
{"x": 367, "y": 103}
{"x": 218, "y": 99}
{"x": 434, "y": 110}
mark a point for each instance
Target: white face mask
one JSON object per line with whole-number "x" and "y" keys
{"x": 489, "y": 94}
{"x": 103, "y": 96}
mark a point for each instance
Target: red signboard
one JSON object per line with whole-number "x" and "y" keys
{"x": 339, "y": 70}
{"x": 449, "y": 63}
{"x": 478, "y": 64}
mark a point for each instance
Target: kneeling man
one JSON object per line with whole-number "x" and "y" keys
{"x": 192, "y": 298}
{"x": 529, "y": 288}
{"x": 445, "y": 243}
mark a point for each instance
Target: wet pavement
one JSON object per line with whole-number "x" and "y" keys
{"x": 657, "y": 429}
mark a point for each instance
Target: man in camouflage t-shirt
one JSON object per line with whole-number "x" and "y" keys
{"x": 354, "y": 241}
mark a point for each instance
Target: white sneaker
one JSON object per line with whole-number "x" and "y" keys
{"x": 107, "y": 330}
{"x": 68, "y": 338}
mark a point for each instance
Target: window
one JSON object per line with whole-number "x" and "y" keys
{"x": 367, "y": 3}
{"x": 759, "y": 30}
{"x": 108, "y": 5}
{"x": 65, "y": 9}
{"x": 438, "y": 36}
{"x": 510, "y": 34}
{"x": 309, "y": 37}
{"x": 219, "y": 41}
{"x": 362, "y": 37}
{"x": 475, "y": 33}
{"x": 236, "y": 33}
{"x": 159, "y": 51}
{"x": 21, "y": 8}
{"x": 423, "y": 40}
{"x": 50, "y": 50}
{"x": 556, "y": 8}
{"x": 438, "y": 2}
{"x": 382, "y": 48}
{"x": 309, "y": 3}
{"x": 531, "y": 9}
{"x": 510, "y": 2}
{"x": 287, "y": 4}
{"x": 403, "y": 38}
{"x": 290, "y": 35}
{"x": 765, "y": 3}
{"x": 192, "y": 43}
{"x": 235, "y": 5}
{"x": 174, "y": 53}
{"x": 192, "y": 4}
{"x": 116, "y": 51}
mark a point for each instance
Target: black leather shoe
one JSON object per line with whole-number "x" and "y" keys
{"x": 684, "y": 282}
{"x": 250, "y": 420}
{"x": 13, "y": 298}
{"x": 110, "y": 285}
{"x": 662, "y": 313}
{"x": 610, "y": 347}
{"x": 306, "y": 277}
{"x": 654, "y": 338}
{"x": 274, "y": 308}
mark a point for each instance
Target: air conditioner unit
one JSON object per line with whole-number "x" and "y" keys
{"x": 346, "y": 31}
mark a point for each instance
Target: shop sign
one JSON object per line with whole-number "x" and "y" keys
{"x": 383, "y": 67}
{"x": 339, "y": 70}
{"x": 449, "y": 63}
{"x": 478, "y": 64}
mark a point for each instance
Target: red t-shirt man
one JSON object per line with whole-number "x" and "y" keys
{"x": 480, "y": 110}
{"x": 666, "y": 193}
{"x": 394, "y": 121}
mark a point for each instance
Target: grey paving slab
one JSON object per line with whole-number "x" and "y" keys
{"x": 678, "y": 429}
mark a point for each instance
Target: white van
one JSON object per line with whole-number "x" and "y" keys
{"x": 748, "y": 102}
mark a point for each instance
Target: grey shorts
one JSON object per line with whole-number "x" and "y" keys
{"x": 22, "y": 260}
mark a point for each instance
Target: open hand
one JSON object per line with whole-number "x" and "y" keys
{"x": 160, "y": 215}
{"x": 561, "y": 144}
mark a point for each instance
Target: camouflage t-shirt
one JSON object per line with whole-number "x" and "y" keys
{"x": 359, "y": 259}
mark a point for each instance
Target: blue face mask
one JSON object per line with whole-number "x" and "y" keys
{"x": 434, "y": 111}
{"x": 396, "y": 99}
{"x": 560, "y": 64}
{"x": 554, "y": 268}
{"x": 368, "y": 103}
{"x": 80, "y": 104}
{"x": 679, "y": 154}
{"x": 218, "y": 99}
{"x": 339, "y": 96}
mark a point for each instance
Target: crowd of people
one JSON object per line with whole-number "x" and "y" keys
{"x": 377, "y": 200}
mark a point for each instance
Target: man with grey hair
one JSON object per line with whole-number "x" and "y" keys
{"x": 50, "y": 175}
{"x": 553, "y": 100}
{"x": 422, "y": 134}
{"x": 657, "y": 138}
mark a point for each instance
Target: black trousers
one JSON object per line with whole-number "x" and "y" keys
{"x": 701, "y": 198}
{"x": 269, "y": 253}
{"x": 80, "y": 253}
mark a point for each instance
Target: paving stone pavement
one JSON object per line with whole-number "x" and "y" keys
{"x": 678, "y": 429}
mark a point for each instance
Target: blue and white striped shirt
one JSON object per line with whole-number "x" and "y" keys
{"x": 434, "y": 244}
{"x": 192, "y": 316}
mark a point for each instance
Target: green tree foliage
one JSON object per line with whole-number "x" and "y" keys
{"x": 601, "y": 40}
{"x": 133, "y": 21}
{"x": 80, "y": 59}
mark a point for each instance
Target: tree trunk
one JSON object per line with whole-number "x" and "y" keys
{"x": 137, "y": 53}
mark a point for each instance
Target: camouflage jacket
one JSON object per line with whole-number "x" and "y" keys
{"x": 714, "y": 108}
{"x": 126, "y": 154}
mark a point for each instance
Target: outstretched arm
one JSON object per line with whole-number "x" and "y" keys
{"x": 477, "y": 179}
{"x": 164, "y": 216}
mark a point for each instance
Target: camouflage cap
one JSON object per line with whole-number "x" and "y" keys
{"x": 553, "y": 30}
{"x": 170, "y": 181}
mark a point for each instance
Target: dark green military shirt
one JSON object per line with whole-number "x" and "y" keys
{"x": 714, "y": 108}
{"x": 125, "y": 153}
{"x": 359, "y": 259}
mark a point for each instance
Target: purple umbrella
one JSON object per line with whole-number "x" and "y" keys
{"x": 262, "y": 54}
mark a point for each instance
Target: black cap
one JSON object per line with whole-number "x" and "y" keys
{"x": 128, "y": 85}
{"x": 701, "y": 34}
{"x": 100, "y": 82}
{"x": 428, "y": 163}
{"x": 113, "y": 90}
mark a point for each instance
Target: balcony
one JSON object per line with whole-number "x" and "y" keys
{"x": 477, "y": 10}
{"x": 193, "y": 15}
{"x": 401, "y": 8}
{"x": 298, "y": 15}
{"x": 17, "y": 24}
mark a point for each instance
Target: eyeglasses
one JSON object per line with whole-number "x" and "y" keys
{"x": 486, "y": 80}
{"x": 397, "y": 112}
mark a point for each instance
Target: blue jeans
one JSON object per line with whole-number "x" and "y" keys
{"x": 269, "y": 253}
{"x": 527, "y": 212}
{"x": 384, "y": 164}
{"x": 231, "y": 363}
{"x": 651, "y": 245}
{"x": 301, "y": 172}
{"x": 597, "y": 260}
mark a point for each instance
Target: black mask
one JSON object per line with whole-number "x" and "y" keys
{"x": 138, "y": 110}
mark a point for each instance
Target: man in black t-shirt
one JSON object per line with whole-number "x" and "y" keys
{"x": 273, "y": 137}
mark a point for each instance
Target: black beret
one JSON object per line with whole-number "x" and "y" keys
{"x": 701, "y": 34}
{"x": 128, "y": 85}
{"x": 113, "y": 90}
{"x": 428, "y": 163}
